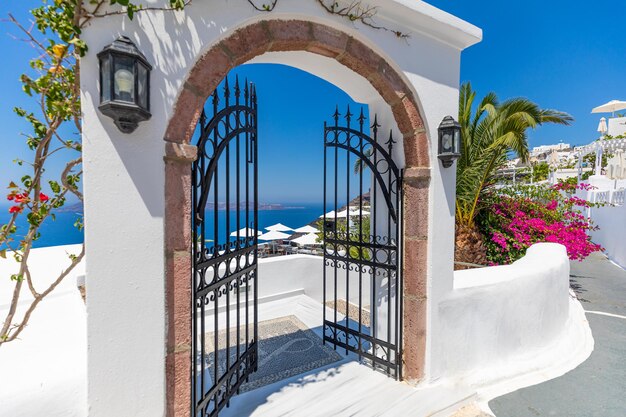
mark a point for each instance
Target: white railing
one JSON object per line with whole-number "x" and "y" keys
{"x": 613, "y": 197}
{"x": 601, "y": 196}
{"x": 618, "y": 197}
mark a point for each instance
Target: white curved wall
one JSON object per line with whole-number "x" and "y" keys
{"x": 497, "y": 318}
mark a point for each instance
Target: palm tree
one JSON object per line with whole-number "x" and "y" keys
{"x": 359, "y": 164}
{"x": 489, "y": 135}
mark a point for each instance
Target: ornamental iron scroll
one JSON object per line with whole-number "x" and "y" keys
{"x": 362, "y": 281}
{"x": 224, "y": 281}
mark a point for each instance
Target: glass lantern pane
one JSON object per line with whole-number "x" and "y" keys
{"x": 457, "y": 140}
{"x": 142, "y": 86}
{"x": 105, "y": 78}
{"x": 124, "y": 79}
{"x": 446, "y": 141}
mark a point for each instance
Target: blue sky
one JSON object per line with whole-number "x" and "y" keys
{"x": 567, "y": 55}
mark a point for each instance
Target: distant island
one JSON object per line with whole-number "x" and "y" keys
{"x": 242, "y": 206}
{"x": 78, "y": 207}
{"x": 71, "y": 208}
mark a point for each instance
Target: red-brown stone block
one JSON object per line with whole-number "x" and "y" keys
{"x": 407, "y": 115}
{"x": 415, "y": 263}
{"x": 416, "y": 149}
{"x": 209, "y": 71}
{"x": 246, "y": 43}
{"x": 185, "y": 117}
{"x": 328, "y": 41}
{"x": 383, "y": 88}
{"x": 414, "y": 334}
{"x": 177, "y": 206}
{"x": 178, "y": 385}
{"x": 179, "y": 300}
{"x": 416, "y": 209}
{"x": 290, "y": 35}
{"x": 393, "y": 79}
{"x": 360, "y": 58}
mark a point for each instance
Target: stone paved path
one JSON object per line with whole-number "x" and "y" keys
{"x": 597, "y": 387}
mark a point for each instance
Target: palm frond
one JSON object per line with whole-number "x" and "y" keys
{"x": 489, "y": 133}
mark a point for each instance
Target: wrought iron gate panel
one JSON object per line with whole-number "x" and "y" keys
{"x": 224, "y": 281}
{"x": 363, "y": 250}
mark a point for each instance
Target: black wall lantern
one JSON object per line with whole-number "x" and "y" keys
{"x": 449, "y": 141}
{"x": 124, "y": 84}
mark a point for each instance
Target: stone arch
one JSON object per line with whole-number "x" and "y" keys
{"x": 238, "y": 48}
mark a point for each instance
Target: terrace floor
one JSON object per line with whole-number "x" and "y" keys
{"x": 344, "y": 387}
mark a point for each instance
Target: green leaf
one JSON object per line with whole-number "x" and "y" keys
{"x": 54, "y": 186}
{"x": 17, "y": 277}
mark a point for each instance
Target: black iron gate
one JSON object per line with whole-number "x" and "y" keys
{"x": 225, "y": 190}
{"x": 362, "y": 244}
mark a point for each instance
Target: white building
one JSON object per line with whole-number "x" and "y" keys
{"x": 544, "y": 149}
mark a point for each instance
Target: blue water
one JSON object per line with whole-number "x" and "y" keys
{"x": 299, "y": 216}
{"x": 62, "y": 230}
{"x": 53, "y": 233}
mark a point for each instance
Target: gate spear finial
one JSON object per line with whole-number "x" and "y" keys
{"x": 361, "y": 120}
{"x": 237, "y": 89}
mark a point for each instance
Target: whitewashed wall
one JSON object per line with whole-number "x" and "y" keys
{"x": 497, "y": 318}
{"x": 611, "y": 218}
{"x": 611, "y": 233}
{"x": 616, "y": 126}
{"x": 124, "y": 174}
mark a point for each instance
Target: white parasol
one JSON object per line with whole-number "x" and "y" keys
{"x": 307, "y": 229}
{"x": 274, "y": 235}
{"x": 242, "y": 232}
{"x": 308, "y": 239}
{"x": 279, "y": 227}
{"x": 610, "y": 107}
{"x": 602, "y": 126}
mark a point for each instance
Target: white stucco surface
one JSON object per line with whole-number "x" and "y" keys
{"x": 124, "y": 174}
{"x": 610, "y": 218}
{"x": 44, "y": 371}
{"x": 513, "y": 323}
{"x": 611, "y": 233}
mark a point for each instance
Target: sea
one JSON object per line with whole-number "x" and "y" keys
{"x": 62, "y": 231}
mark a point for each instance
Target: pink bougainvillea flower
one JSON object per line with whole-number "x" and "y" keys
{"x": 15, "y": 209}
{"x": 43, "y": 197}
{"x": 516, "y": 222}
{"x": 10, "y": 197}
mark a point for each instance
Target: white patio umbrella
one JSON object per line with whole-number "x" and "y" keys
{"x": 329, "y": 215}
{"x": 344, "y": 213}
{"x": 308, "y": 239}
{"x": 274, "y": 235}
{"x": 307, "y": 229}
{"x": 242, "y": 232}
{"x": 602, "y": 127}
{"x": 354, "y": 212}
{"x": 279, "y": 227}
{"x": 610, "y": 107}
